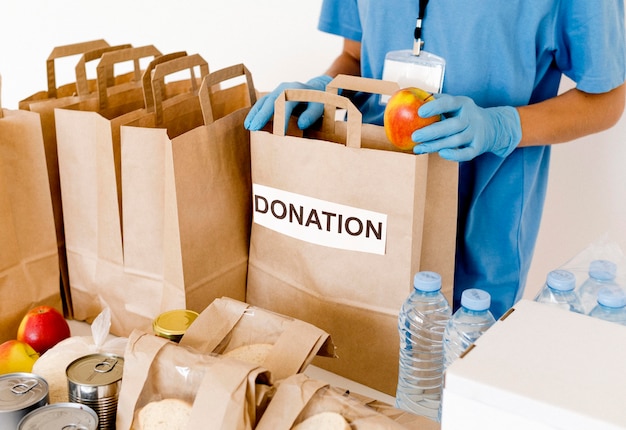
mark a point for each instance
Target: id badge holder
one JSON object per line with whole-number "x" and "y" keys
{"x": 414, "y": 68}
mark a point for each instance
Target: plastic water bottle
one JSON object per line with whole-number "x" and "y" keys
{"x": 601, "y": 273}
{"x": 467, "y": 324}
{"x": 559, "y": 291}
{"x": 421, "y": 322}
{"x": 611, "y": 305}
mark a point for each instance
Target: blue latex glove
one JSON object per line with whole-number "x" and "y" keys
{"x": 263, "y": 109}
{"x": 467, "y": 130}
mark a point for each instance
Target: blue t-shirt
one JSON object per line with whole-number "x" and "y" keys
{"x": 498, "y": 52}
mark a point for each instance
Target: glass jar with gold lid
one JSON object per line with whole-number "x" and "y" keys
{"x": 173, "y": 324}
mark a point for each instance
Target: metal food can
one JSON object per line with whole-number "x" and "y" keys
{"x": 20, "y": 393}
{"x": 95, "y": 381}
{"x": 65, "y": 416}
{"x": 173, "y": 324}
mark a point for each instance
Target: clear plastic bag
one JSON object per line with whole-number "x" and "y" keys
{"x": 601, "y": 249}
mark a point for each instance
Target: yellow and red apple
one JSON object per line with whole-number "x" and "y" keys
{"x": 401, "y": 118}
{"x": 43, "y": 327}
{"x": 16, "y": 356}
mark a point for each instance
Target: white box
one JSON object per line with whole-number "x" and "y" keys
{"x": 540, "y": 368}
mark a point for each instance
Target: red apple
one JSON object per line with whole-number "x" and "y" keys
{"x": 43, "y": 327}
{"x": 401, "y": 118}
{"x": 16, "y": 356}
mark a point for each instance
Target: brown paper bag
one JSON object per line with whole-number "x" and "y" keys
{"x": 406, "y": 419}
{"x": 227, "y": 325}
{"x": 186, "y": 188}
{"x": 44, "y": 103}
{"x": 90, "y": 173}
{"x": 224, "y": 393}
{"x": 53, "y": 91}
{"x": 340, "y": 230}
{"x": 29, "y": 265}
{"x": 300, "y": 397}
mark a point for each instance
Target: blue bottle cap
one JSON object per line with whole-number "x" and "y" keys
{"x": 561, "y": 280}
{"x": 602, "y": 270}
{"x": 612, "y": 297}
{"x": 475, "y": 299}
{"x": 427, "y": 281}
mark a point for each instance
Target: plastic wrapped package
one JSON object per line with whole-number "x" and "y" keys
{"x": 227, "y": 393}
{"x": 281, "y": 344}
{"x": 300, "y": 398}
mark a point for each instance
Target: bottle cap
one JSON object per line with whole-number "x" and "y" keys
{"x": 612, "y": 297}
{"x": 561, "y": 280}
{"x": 602, "y": 270}
{"x": 475, "y": 299}
{"x": 427, "y": 281}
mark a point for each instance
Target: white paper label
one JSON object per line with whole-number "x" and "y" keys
{"x": 319, "y": 221}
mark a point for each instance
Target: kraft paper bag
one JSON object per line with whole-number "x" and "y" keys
{"x": 29, "y": 261}
{"x": 407, "y": 419}
{"x": 186, "y": 188}
{"x": 44, "y": 103}
{"x": 88, "y": 145}
{"x": 341, "y": 223}
{"x": 223, "y": 393}
{"x": 299, "y": 398}
{"x": 54, "y": 91}
{"x": 228, "y": 325}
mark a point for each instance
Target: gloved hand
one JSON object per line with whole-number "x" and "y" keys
{"x": 263, "y": 109}
{"x": 467, "y": 130}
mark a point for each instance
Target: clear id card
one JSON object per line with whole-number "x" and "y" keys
{"x": 424, "y": 70}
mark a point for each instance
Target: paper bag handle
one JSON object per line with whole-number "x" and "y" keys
{"x": 224, "y": 393}
{"x": 218, "y": 77}
{"x": 148, "y": 94}
{"x": 67, "y": 51}
{"x": 147, "y": 347}
{"x": 82, "y": 86}
{"x": 358, "y": 83}
{"x": 220, "y": 318}
{"x": 297, "y": 392}
{"x": 173, "y": 66}
{"x": 353, "y": 133}
{"x": 109, "y": 59}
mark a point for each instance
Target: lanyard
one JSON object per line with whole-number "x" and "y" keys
{"x": 418, "y": 43}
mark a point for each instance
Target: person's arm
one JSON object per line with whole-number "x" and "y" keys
{"x": 570, "y": 115}
{"x": 348, "y": 62}
{"x": 469, "y": 130}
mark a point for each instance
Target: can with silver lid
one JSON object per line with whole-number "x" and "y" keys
{"x": 20, "y": 393}
{"x": 65, "y": 416}
{"x": 173, "y": 324}
{"x": 95, "y": 381}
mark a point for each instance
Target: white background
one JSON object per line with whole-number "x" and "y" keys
{"x": 278, "y": 41}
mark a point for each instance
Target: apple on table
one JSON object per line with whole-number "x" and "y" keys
{"x": 17, "y": 356}
{"x": 43, "y": 327}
